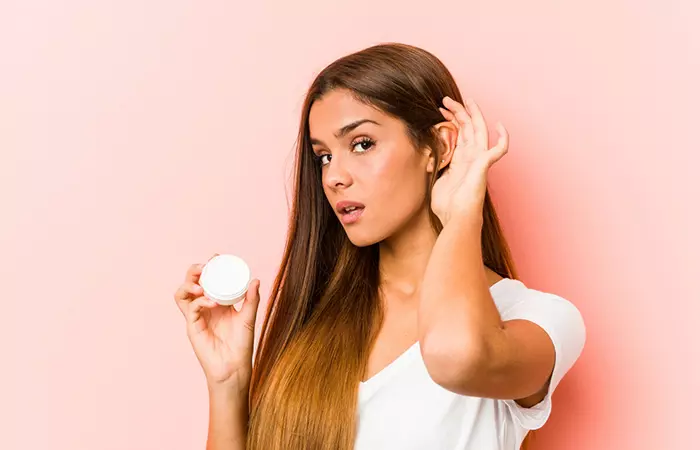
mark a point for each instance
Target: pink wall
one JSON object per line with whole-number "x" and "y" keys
{"x": 138, "y": 137}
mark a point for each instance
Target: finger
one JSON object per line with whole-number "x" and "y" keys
{"x": 250, "y": 305}
{"x": 481, "y": 132}
{"x": 501, "y": 147}
{"x": 464, "y": 122}
{"x": 457, "y": 109}
{"x": 185, "y": 293}
{"x": 450, "y": 117}
{"x": 193, "y": 273}
{"x": 447, "y": 115}
{"x": 195, "y": 319}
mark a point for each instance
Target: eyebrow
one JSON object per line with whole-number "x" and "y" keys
{"x": 346, "y": 129}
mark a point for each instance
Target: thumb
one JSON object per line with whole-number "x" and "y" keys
{"x": 250, "y": 305}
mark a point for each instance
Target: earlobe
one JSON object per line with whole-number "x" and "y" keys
{"x": 428, "y": 154}
{"x": 431, "y": 165}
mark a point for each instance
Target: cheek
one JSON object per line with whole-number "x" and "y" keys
{"x": 397, "y": 183}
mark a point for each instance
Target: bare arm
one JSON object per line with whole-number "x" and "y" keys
{"x": 228, "y": 418}
{"x": 222, "y": 339}
{"x": 466, "y": 347}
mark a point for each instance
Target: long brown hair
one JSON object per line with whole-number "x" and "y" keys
{"x": 324, "y": 314}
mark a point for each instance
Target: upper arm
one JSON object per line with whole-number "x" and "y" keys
{"x": 541, "y": 338}
{"x": 525, "y": 363}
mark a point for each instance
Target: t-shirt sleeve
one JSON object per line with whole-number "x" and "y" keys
{"x": 563, "y": 322}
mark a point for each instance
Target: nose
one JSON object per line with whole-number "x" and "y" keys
{"x": 336, "y": 175}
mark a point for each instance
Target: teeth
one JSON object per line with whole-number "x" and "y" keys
{"x": 350, "y": 209}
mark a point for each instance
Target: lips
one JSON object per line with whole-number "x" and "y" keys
{"x": 349, "y": 211}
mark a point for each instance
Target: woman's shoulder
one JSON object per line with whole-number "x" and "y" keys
{"x": 515, "y": 299}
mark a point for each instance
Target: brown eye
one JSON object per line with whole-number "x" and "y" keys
{"x": 363, "y": 145}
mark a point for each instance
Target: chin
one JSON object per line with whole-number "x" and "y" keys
{"x": 360, "y": 238}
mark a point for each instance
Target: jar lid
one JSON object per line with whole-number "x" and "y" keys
{"x": 225, "y": 277}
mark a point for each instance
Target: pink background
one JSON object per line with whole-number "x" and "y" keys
{"x": 139, "y": 137}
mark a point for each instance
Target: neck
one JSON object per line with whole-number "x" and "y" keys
{"x": 403, "y": 258}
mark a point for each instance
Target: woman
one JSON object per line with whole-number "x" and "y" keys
{"x": 396, "y": 320}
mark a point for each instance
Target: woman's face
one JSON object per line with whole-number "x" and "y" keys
{"x": 367, "y": 162}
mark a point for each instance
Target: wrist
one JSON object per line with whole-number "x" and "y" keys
{"x": 230, "y": 391}
{"x": 226, "y": 379}
{"x": 471, "y": 216}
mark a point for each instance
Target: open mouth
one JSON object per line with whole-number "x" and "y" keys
{"x": 351, "y": 215}
{"x": 350, "y": 212}
{"x": 350, "y": 209}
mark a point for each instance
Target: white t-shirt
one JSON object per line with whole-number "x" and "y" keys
{"x": 402, "y": 408}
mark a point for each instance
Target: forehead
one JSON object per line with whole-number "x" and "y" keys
{"x": 338, "y": 108}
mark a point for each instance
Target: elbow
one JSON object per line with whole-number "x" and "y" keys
{"x": 455, "y": 364}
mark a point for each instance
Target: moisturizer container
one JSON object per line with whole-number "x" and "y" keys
{"x": 225, "y": 279}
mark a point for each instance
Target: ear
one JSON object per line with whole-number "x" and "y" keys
{"x": 447, "y": 133}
